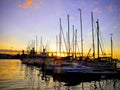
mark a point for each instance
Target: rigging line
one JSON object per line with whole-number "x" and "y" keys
{"x": 71, "y": 46}
{"x": 78, "y": 48}
{"x": 101, "y": 40}
{"x": 114, "y": 54}
{"x": 88, "y": 52}
{"x": 91, "y": 48}
{"x": 62, "y": 48}
{"x": 64, "y": 38}
{"x": 103, "y": 53}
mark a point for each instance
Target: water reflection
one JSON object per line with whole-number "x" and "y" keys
{"x": 17, "y": 76}
{"x": 9, "y": 69}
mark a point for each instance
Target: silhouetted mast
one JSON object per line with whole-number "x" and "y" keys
{"x": 98, "y": 36}
{"x": 93, "y": 35}
{"x": 73, "y": 40}
{"x": 68, "y": 37}
{"x": 33, "y": 44}
{"x": 60, "y": 38}
{"x": 111, "y": 47}
{"x": 41, "y": 44}
{"x": 36, "y": 43}
{"x": 56, "y": 44}
{"x": 81, "y": 32}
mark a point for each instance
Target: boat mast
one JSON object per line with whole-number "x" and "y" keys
{"x": 98, "y": 36}
{"x": 93, "y": 35}
{"x": 60, "y": 38}
{"x": 81, "y": 32}
{"x": 33, "y": 44}
{"x": 36, "y": 44}
{"x": 73, "y": 40}
{"x": 68, "y": 37}
{"x": 56, "y": 44}
{"x": 111, "y": 47}
{"x": 41, "y": 45}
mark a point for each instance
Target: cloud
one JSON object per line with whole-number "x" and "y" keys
{"x": 96, "y": 2}
{"x": 27, "y": 4}
{"x": 97, "y": 10}
{"x": 36, "y": 6}
{"x": 110, "y": 8}
{"x": 114, "y": 26}
{"x": 83, "y": 3}
{"x": 71, "y": 17}
{"x": 73, "y": 5}
{"x": 31, "y": 4}
{"x": 113, "y": 8}
{"x": 37, "y": 3}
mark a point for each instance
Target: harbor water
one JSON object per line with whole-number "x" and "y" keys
{"x": 17, "y": 76}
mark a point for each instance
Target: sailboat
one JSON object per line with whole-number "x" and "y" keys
{"x": 100, "y": 63}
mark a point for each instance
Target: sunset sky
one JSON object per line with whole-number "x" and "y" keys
{"x": 22, "y": 20}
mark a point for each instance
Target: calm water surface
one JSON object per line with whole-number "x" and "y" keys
{"x": 17, "y": 76}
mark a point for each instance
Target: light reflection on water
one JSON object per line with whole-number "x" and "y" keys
{"x": 17, "y": 76}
